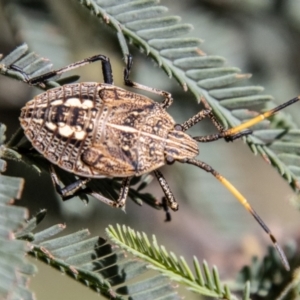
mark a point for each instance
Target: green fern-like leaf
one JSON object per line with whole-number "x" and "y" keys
{"x": 15, "y": 270}
{"x": 206, "y": 282}
{"x": 96, "y": 263}
{"x": 203, "y": 75}
{"x": 32, "y": 65}
{"x": 112, "y": 269}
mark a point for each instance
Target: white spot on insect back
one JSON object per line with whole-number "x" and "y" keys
{"x": 51, "y": 126}
{"x": 57, "y": 102}
{"x": 87, "y": 104}
{"x": 79, "y": 135}
{"x": 40, "y": 105}
{"x": 65, "y": 131}
{"x": 38, "y": 121}
{"x": 73, "y": 102}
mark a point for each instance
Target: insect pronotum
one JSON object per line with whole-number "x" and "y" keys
{"x": 99, "y": 130}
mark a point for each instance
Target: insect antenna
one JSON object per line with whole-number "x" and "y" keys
{"x": 244, "y": 202}
{"x": 237, "y": 129}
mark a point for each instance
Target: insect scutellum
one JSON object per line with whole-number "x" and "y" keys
{"x": 95, "y": 130}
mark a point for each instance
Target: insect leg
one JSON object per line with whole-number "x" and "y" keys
{"x": 221, "y": 129}
{"x": 202, "y": 114}
{"x": 234, "y": 132}
{"x": 106, "y": 70}
{"x": 75, "y": 189}
{"x": 237, "y": 129}
{"x": 123, "y": 192}
{"x": 70, "y": 190}
{"x": 221, "y": 135}
{"x": 241, "y": 130}
{"x": 244, "y": 202}
{"x": 208, "y": 113}
{"x": 165, "y": 206}
{"x": 167, "y": 191}
{"x": 122, "y": 197}
{"x": 168, "y": 97}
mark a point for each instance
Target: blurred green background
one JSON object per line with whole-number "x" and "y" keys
{"x": 259, "y": 37}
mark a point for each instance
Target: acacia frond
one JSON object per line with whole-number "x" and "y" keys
{"x": 15, "y": 270}
{"x": 116, "y": 273}
{"x": 97, "y": 264}
{"x": 202, "y": 281}
{"x": 32, "y": 65}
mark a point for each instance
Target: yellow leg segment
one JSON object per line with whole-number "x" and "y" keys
{"x": 244, "y": 202}
{"x": 259, "y": 118}
{"x": 247, "y": 205}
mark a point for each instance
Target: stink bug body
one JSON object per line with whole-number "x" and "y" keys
{"x": 96, "y": 130}
{"x": 99, "y": 130}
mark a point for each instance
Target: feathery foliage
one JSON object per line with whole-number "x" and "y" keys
{"x": 146, "y": 25}
{"x": 88, "y": 260}
{"x": 206, "y": 283}
{"x": 96, "y": 263}
{"x": 115, "y": 273}
{"x": 15, "y": 270}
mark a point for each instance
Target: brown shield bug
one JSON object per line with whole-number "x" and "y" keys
{"x": 99, "y": 130}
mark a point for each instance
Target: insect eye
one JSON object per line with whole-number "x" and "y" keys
{"x": 178, "y": 127}
{"x": 170, "y": 160}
